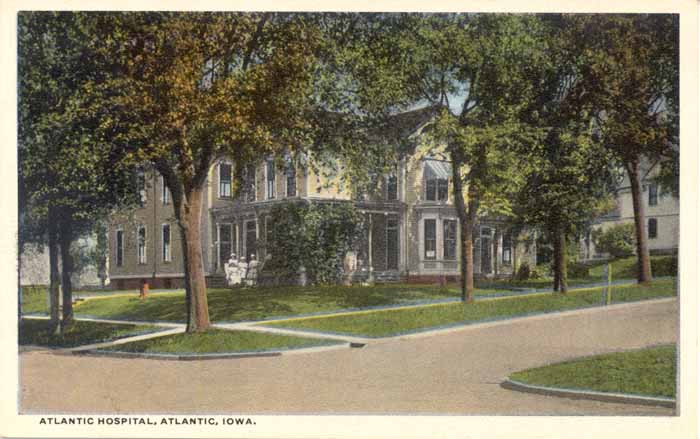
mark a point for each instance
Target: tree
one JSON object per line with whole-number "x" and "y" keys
{"x": 472, "y": 68}
{"x": 188, "y": 88}
{"x": 631, "y": 79}
{"x": 67, "y": 176}
{"x": 571, "y": 176}
{"x": 617, "y": 240}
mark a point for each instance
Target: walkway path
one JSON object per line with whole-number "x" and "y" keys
{"x": 451, "y": 373}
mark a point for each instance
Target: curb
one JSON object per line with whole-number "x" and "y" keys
{"x": 622, "y": 398}
{"x": 197, "y": 357}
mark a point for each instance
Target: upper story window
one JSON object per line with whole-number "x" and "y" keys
{"x": 652, "y": 228}
{"x": 392, "y": 188}
{"x": 291, "y": 178}
{"x": 653, "y": 194}
{"x": 270, "y": 179}
{"x": 247, "y": 192}
{"x": 436, "y": 175}
{"x": 141, "y": 244}
{"x": 224, "y": 180}
{"x": 141, "y": 186}
{"x": 164, "y": 191}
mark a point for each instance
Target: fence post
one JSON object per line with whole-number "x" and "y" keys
{"x": 608, "y": 298}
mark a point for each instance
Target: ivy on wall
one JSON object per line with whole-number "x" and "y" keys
{"x": 315, "y": 236}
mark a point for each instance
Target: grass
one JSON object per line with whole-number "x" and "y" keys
{"x": 219, "y": 341}
{"x": 37, "y": 332}
{"x": 391, "y": 322}
{"x": 266, "y": 302}
{"x": 35, "y": 300}
{"x": 649, "y": 372}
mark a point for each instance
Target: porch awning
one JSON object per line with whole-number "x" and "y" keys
{"x": 437, "y": 169}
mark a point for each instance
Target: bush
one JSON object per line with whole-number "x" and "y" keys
{"x": 523, "y": 272}
{"x": 618, "y": 240}
{"x": 313, "y": 235}
{"x": 577, "y": 270}
{"x": 664, "y": 266}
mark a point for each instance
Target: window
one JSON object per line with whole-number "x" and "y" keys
{"x": 653, "y": 194}
{"x": 507, "y": 245}
{"x": 165, "y": 192}
{"x": 436, "y": 176}
{"x": 120, "y": 248}
{"x": 429, "y": 238}
{"x": 141, "y": 186}
{"x": 449, "y": 237}
{"x": 166, "y": 243}
{"x": 142, "y": 245}
{"x": 291, "y": 176}
{"x": 224, "y": 180}
{"x": 653, "y": 228}
{"x": 248, "y": 189}
{"x": 225, "y": 242}
{"x": 270, "y": 178}
{"x": 251, "y": 237}
{"x": 392, "y": 243}
{"x": 392, "y": 188}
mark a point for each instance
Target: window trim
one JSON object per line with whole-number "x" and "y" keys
{"x": 434, "y": 239}
{"x": 651, "y": 221}
{"x": 167, "y": 256}
{"x": 164, "y": 192}
{"x": 230, "y": 180}
{"x": 119, "y": 249}
{"x": 139, "y": 260}
{"x": 656, "y": 194}
{"x": 509, "y": 248}
{"x": 393, "y": 217}
{"x": 270, "y": 189}
{"x": 444, "y": 239}
{"x": 287, "y": 176}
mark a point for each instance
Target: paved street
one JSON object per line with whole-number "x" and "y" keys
{"x": 454, "y": 373}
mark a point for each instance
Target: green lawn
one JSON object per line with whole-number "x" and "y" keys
{"x": 391, "y": 322}
{"x": 36, "y": 332}
{"x": 265, "y": 302}
{"x": 650, "y": 372}
{"x": 35, "y": 299}
{"x": 219, "y": 341}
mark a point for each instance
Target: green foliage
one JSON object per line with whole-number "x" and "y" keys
{"x": 618, "y": 240}
{"x": 578, "y": 270}
{"x": 314, "y": 236}
{"x": 664, "y": 266}
{"x": 38, "y": 332}
{"x": 523, "y": 272}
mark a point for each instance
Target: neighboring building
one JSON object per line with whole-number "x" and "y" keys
{"x": 411, "y": 234}
{"x": 661, "y": 215}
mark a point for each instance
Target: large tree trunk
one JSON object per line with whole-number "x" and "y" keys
{"x": 189, "y": 215}
{"x": 556, "y": 260}
{"x": 467, "y": 218}
{"x": 643, "y": 262}
{"x": 66, "y": 237}
{"x": 54, "y": 277}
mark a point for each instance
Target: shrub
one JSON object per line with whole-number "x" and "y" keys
{"x": 313, "y": 235}
{"x": 618, "y": 240}
{"x": 523, "y": 272}
{"x": 577, "y": 270}
{"x": 664, "y": 266}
